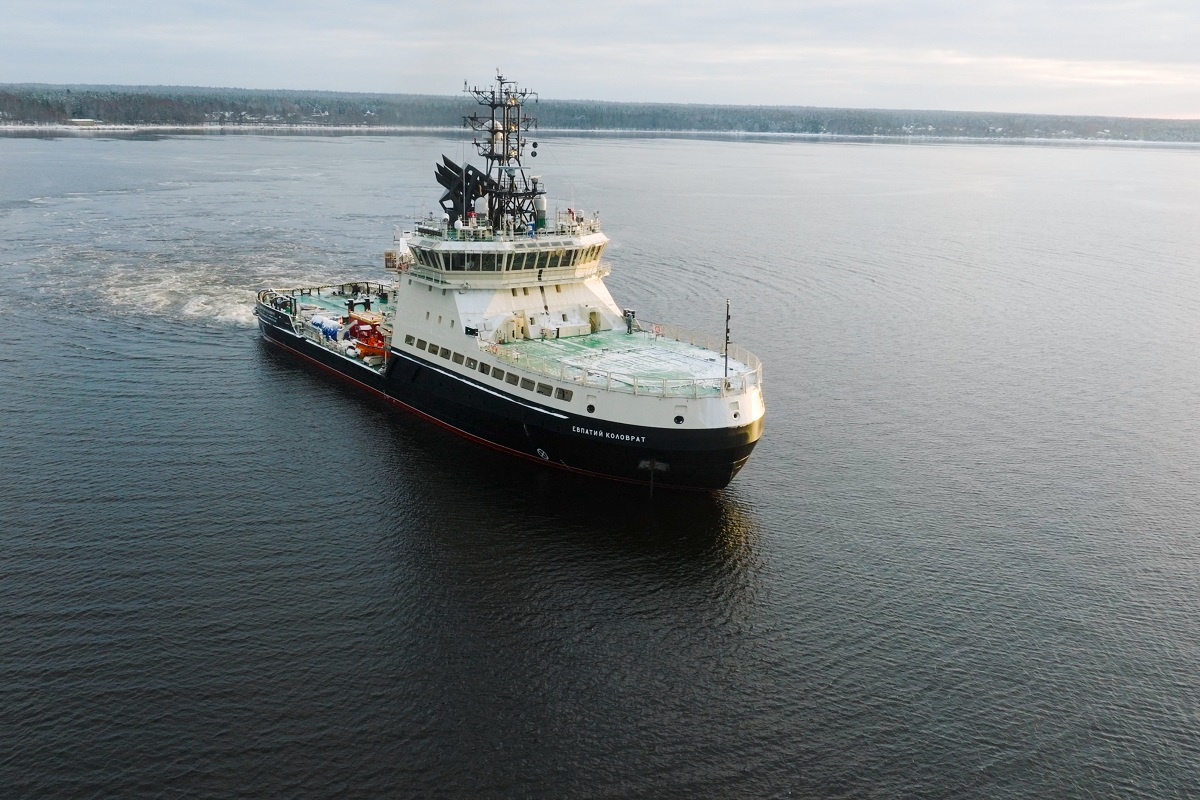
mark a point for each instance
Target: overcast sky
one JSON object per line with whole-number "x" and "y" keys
{"x": 1111, "y": 57}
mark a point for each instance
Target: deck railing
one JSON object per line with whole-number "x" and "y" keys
{"x": 746, "y": 369}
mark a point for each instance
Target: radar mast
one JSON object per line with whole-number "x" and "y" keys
{"x": 514, "y": 199}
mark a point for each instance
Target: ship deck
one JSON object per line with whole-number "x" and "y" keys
{"x": 654, "y": 359}
{"x": 336, "y": 303}
{"x": 641, "y": 353}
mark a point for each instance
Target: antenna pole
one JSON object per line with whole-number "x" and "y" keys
{"x": 726, "y": 337}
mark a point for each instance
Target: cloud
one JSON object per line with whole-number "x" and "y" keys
{"x": 1121, "y": 57}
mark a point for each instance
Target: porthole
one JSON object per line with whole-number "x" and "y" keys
{"x": 678, "y": 420}
{"x": 737, "y": 415}
{"x": 591, "y": 409}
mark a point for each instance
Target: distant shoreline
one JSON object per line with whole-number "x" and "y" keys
{"x": 58, "y": 129}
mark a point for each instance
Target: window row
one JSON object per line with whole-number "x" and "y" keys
{"x": 497, "y": 374}
{"x": 509, "y": 261}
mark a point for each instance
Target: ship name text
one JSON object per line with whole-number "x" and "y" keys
{"x": 621, "y": 437}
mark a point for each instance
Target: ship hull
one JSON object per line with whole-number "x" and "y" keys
{"x": 685, "y": 459}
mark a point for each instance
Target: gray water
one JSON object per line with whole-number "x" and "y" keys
{"x": 964, "y": 560}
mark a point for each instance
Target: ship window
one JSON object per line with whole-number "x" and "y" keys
{"x": 445, "y": 352}
{"x": 408, "y": 339}
{"x": 558, "y": 288}
{"x": 514, "y": 291}
{"x": 426, "y": 315}
{"x": 563, "y": 394}
{"x": 439, "y": 319}
{"x": 433, "y": 348}
{"x": 498, "y": 374}
{"x": 451, "y": 324}
{"x": 420, "y": 344}
{"x": 564, "y": 316}
{"x": 471, "y": 363}
{"x": 525, "y": 289}
{"x": 487, "y": 262}
{"x": 485, "y": 368}
{"x": 430, "y": 288}
{"x": 527, "y": 384}
{"x": 513, "y": 378}
{"x": 517, "y": 262}
{"x": 544, "y": 389}
{"x": 457, "y": 358}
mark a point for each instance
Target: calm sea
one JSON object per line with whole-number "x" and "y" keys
{"x": 964, "y": 560}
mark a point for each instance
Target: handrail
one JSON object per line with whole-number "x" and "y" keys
{"x": 366, "y": 287}
{"x": 510, "y": 277}
{"x": 627, "y": 383}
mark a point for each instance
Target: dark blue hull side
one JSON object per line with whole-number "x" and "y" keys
{"x": 517, "y": 424}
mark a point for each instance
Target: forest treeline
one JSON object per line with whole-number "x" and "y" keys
{"x": 189, "y": 106}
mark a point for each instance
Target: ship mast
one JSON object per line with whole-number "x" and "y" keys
{"x": 513, "y": 197}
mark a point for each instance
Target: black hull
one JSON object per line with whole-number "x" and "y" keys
{"x": 517, "y": 424}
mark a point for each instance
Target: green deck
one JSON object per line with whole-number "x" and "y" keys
{"x": 641, "y": 354}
